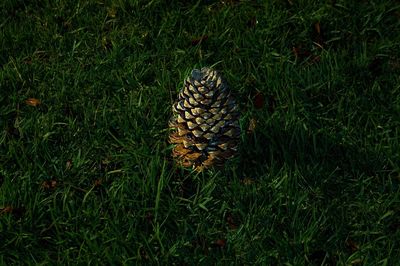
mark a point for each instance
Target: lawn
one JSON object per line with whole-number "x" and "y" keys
{"x": 86, "y": 173}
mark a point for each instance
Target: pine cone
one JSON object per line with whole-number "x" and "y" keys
{"x": 205, "y": 121}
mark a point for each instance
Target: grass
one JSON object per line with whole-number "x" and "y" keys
{"x": 86, "y": 175}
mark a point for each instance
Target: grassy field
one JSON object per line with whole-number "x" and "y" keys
{"x": 86, "y": 175}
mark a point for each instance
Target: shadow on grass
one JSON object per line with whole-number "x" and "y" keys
{"x": 329, "y": 182}
{"x": 305, "y": 149}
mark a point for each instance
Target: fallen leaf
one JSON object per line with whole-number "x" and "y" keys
{"x": 98, "y": 182}
{"x": 318, "y": 36}
{"x": 201, "y": 39}
{"x": 317, "y": 27}
{"x": 33, "y": 102}
{"x": 252, "y": 126}
{"x": 49, "y": 184}
{"x": 7, "y": 209}
{"x": 16, "y": 212}
{"x": 258, "y": 100}
{"x": 220, "y": 243}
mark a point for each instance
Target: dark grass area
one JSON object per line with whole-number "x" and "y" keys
{"x": 86, "y": 174}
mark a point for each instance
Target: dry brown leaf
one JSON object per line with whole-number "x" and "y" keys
{"x": 220, "y": 242}
{"x": 317, "y": 27}
{"x": 201, "y": 39}
{"x": 33, "y": 102}
{"x": 252, "y": 126}
{"x": 7, "y": 209}
{"x": 98, "y": 182}
{"x": 318, "y": 35}
{"x": 258, "y": 100}
{"x": 16, "y": 212}
{"x": 49, "y": 184}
